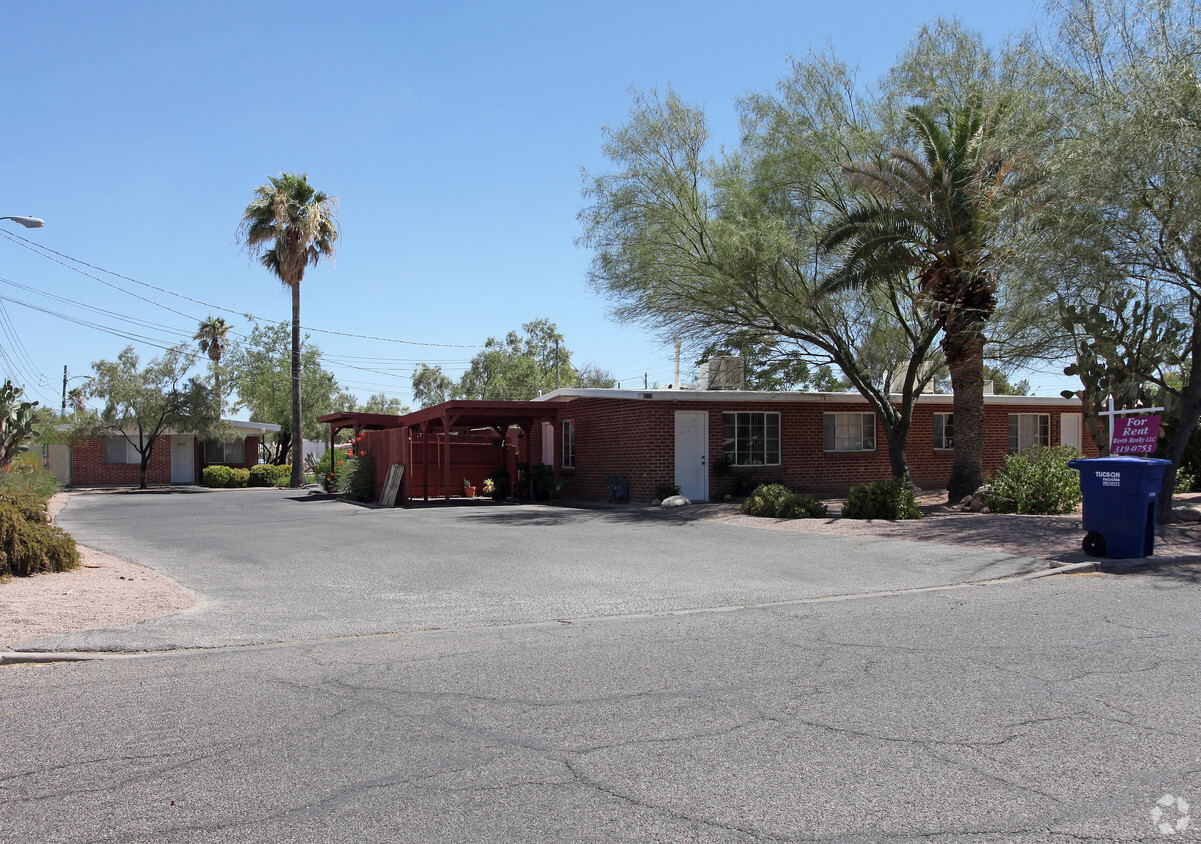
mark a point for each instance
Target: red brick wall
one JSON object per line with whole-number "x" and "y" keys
{"x": 636, "y": 438}
{"x": 89, "y": 469}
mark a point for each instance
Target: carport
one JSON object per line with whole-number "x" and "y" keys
{"x": 441, "y": 429}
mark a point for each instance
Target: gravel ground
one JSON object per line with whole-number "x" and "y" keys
{"x": 103, "y": 592}
{"x": 106, "y": 591}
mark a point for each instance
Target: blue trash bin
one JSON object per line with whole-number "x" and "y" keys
{"x": 1120, "y": 498}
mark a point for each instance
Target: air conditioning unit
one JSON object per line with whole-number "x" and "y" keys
{"x": 722, "y": 373}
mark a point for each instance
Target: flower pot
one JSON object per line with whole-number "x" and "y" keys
{"x": 469, "y": 492}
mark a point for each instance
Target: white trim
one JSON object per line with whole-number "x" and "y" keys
{"x": 568, "y": 394}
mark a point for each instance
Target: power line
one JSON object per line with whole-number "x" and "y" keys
{"x": 42, "y": 250}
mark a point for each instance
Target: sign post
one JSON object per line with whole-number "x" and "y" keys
{"x": 1129, "y": 434}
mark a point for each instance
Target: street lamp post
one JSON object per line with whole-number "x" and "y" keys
{"x": 27, "y": 222}
{"x": 65, "y": 380}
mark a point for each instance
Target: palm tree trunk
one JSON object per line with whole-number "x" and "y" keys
{"x": 297, "y": 479}
{"x": 963, "y": 346}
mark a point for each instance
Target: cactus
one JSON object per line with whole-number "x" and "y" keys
{"x": 16, "y": 422}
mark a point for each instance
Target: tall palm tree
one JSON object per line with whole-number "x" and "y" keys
{"x": 289, "y": 226}
{"x": 935, "y": 215}
{"x": 211, "y": 338}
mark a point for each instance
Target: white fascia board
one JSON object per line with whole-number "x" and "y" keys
{"x": 568, "y": 394}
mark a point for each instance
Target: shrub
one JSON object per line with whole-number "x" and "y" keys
{"x": 268, "y": 474}
{"x": 26, "y": 473}
{"x": 666, "y": 490}
{"x": 29, "y": 544}
{"x": 1184, "y": 482}
{"x": 224, "y": 477}
{"x": 778, "y": 501}
{"x": 799, "y": 506}
{"x": 887, "y": 499}
{"x": 356, "y": 478}
{"x": 1036, "y": 482}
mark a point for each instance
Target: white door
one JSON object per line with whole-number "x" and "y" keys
{"x": 1071, "y": 430}
{"x": 692, "y": 454}
{"x": 183, "y": 466}
{"x": 548, "y": 444}
{"x": 59, "y": 457}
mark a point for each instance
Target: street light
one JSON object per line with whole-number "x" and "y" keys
{"x": 27, "y": 222}
{"x": 65, "y": 380}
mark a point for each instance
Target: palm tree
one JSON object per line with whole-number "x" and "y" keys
{"x": 289, "y": 226}
{"x": 211, "y": 338}
{"x": 935, "y": 215}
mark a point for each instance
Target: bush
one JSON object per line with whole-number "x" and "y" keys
{"x": 1184, "y": 482}
{"x": 268, "y": 474}
{"x": 29, "y": 544}
{"x": 666, "y": 491}
{"x": 26, "y": 473}
{"x": 887, "y": 499}
{"x": 1036, "y": 482}
{"x": 778, "y": 501}
{"x": 356, "y": 478}
{"x": 224, "y": 477}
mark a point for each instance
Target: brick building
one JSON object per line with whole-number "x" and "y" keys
{"x": 822, "y": 443}
{"x": 174, "y": 459}
{"x": 701, "y": 440}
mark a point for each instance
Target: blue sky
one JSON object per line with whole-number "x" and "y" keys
{"x": 453, "y": 134}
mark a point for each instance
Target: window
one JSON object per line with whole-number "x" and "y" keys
{"x": 849, "y": 431}
{"x": 944, "y": 431}
{"x": 118, "y": 450}
{"x": 751, "y": 439}
{"x": 216, "y": 451}
{"x": 568, "y": 445}
{"x": 1027, "y": 429}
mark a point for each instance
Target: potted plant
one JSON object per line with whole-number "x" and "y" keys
{"x": 543, "y": 481}
{"x": 468, "y": 488}
{"x": 500, "y": 484}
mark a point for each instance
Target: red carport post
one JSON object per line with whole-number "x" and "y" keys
{"x": 425, "y": 460}
{"x": 447, "y": 421}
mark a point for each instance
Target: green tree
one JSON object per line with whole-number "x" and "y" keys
{"x": 935, "y": 214}
{"x": 212, "y": 337}
{"x": 1126, "y": 173}
{"x": 260, "y": 372}
{"x": 382, "y": 403}
{"x": 288, "y": 226}
{"x": 519, "y": 367}
{"x": 693, "y": 247}
{"x": 17, "y": 420}
{"x": 431, "y": 386}
{"x": 141, "y": 405}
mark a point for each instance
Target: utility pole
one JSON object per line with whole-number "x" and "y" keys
{"x": 556, "y": 363}
{"x": 644, "y": 382}
{"x": 64, "y": 413}
{"x": 677, "y": 382}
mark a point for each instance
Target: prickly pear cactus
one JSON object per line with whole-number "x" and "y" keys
{"x": 16, "y": 422}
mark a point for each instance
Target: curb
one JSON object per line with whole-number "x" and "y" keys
{"x": 1064, "y": 568}
{"x": 44, "y": 657}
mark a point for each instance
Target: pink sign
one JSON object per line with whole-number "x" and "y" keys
{"x": 1135, "y": 434}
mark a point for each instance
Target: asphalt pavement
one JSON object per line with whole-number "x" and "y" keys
{"x": 1059, "y": 709}
{"x": 279, "y": 566}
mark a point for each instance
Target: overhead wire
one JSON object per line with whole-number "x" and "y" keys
{"x": 42, "y": 250}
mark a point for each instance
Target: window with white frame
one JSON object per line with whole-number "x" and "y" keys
{"x": 751, "y": 439}
{"x": 216, "y": 451}
{"x": 1027, "y": 429}
{"x": 568, "y": 444}
{"x": 944, "y": 431}
{"x": 849, "y": 431}
{"x": 119, "y": 451}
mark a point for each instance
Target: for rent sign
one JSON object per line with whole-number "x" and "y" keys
{"x": 1135, "y": 434}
